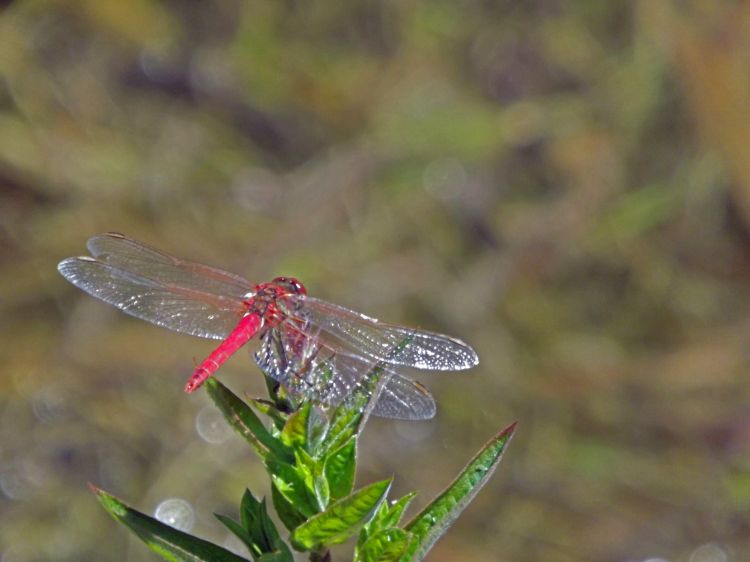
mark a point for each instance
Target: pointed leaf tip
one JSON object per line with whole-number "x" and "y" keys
{"x": 168, "y": 542}
{"x": 435, "y": 519}
{"x": 114, "y": 506}
{"x": 508, "y": 431}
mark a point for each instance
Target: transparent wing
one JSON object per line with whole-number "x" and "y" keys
{"x": 129, "y": 255}
{"x": 344, "y": 329}
{"x": 165, "y": 303}
{"x": 311, "y": 368}
{"x": 404, "y": 399}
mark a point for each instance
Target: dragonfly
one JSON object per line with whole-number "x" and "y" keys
{"x": 317, "y": 350}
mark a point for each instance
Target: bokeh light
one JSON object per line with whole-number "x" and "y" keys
{"x": 709, "y": 553}
{"x": 211, "y": 426}
{"x": 176, "y": 513}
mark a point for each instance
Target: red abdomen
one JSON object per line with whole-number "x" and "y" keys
{"x": 246, "y": 329}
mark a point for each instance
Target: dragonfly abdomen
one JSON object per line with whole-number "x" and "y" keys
{"x": 246, "y": 329}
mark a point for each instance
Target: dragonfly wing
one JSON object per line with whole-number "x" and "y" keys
{"x": 341, "y": 328}
{"x": 404, "y": 399}
{"x": 129, "y": 255}
{"x": 172, "y": 306}
{"x": 318, "y": 372}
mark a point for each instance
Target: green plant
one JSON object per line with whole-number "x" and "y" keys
{"x": 311, "y": 455}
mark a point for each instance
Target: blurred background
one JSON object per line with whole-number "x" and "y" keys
{"x": 564, "y": 185}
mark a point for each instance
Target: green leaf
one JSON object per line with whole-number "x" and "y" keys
{"x": 396, "y": 510}
{"x": 321, "y": 489}
{"x": 352, "y": 413}
{"x": 250, "y": 510}
{"x": 166, "y": 541}
{"x": 349, "y": 416}
{"x": 387, "y": 545}
{"x": 344, "y": 424}
{"x": 365, "y": 394}
{"x": 265, "y": 407}
{"x": 342, "y": 518}
{"x": 283, "y": 400}
{"x": 294, "y": 433}
{"x": 271, "y": 534}
{"x": 435, "y": 519}
{"x": 387, "y": 515}
{"x": 290, "y": 482}
{"x": 317, "y": 428}
{"x": 290, "y": 516}
{"x": 304, "y": 464}
{"x": 244, "y": 421}
{"x": 311, "y": 471}
{"x": 239, "y": 532}
{"x": 340, "y": 467}
{"x": 256, "y": 530}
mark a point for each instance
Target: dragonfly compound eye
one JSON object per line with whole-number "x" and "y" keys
{"x": 291, "y": 285}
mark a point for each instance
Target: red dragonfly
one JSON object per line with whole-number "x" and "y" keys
{"x": 316, "y": 349}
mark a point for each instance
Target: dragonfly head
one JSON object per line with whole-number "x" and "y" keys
{"x": 290, "y": 285}
{"x": 262, "y": 300}
{"x": 279, "y": 287}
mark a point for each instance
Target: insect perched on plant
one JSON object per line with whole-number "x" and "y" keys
{"x": 316, "y": 349}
